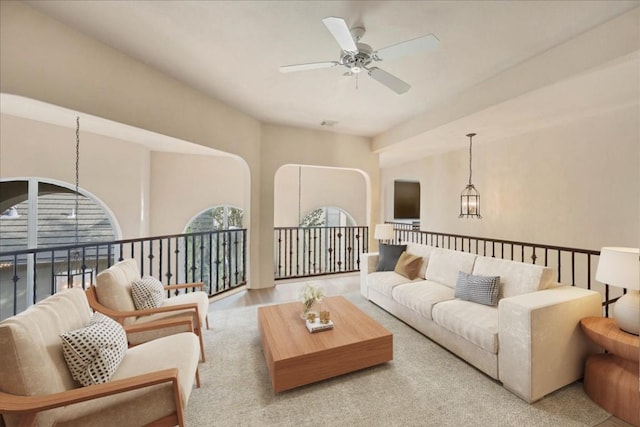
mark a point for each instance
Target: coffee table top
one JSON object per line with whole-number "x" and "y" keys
{"x": 288, "y": 336}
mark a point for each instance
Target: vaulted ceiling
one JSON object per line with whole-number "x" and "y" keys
{"x": 232, "y": 50}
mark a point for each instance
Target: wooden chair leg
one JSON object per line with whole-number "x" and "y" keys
{"x": 207, "y": 319}
{"x": 199, "y": 333}
{"x": 197, "y": 377}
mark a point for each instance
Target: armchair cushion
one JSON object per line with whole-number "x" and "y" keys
{"x": 113, "y": 286}
{"x": 147, "y": 292}
{"x": 199, "y": 298}
{"x": 94, "y": 352}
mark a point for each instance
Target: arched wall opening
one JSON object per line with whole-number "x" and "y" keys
{"x": 301, "y": 189}
{"x": 150, "y": 184}
{"x": 320, "y": 220}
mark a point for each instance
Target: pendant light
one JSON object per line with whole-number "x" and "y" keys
{"x": 470, "y": 197}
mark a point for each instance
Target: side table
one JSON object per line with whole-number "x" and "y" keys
{"x": 611, "y": 380}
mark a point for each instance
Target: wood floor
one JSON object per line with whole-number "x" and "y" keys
{"x": 332, "y": 285}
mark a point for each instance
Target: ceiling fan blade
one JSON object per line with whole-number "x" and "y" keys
{"x": 309, "y": 66}
{"x": 340, "y": 31}
{"x": 389, "y": 80}
{"x": 421, "y": 44}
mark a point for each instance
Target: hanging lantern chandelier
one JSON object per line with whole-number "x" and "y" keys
{"x": 470, "y": 197}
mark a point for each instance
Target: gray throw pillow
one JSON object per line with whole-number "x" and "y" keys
{"x": 389, "y": 255}
{"x": 479, "y": 289}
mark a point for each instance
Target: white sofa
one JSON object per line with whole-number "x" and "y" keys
{"x": 531, "y": 341}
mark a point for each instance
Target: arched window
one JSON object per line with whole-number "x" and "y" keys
{"x": 218, "y": 218}
{"x": 327, "y": 217}
{"x": 36, "y": 213}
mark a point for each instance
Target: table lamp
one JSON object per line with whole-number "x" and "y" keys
{"x": 619, "y": 267}
{"x": 384, "y": 232}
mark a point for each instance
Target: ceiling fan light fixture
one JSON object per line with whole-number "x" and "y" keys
{"x": 356, "y": 56}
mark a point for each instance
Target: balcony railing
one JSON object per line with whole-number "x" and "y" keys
{"x": 313, "y": 251}
{"x": 217, "y": 258}
{"x": 574, "y": 266}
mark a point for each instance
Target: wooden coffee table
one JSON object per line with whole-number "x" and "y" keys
{"x": 296, "y": 357}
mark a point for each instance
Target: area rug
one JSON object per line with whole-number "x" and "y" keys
{"x": 424, "y": 385}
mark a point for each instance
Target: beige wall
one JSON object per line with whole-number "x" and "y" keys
{"x": 341, "y": 188}
{"x": 282, "y": 145}
{"x": 114, "y": 171}
{"x": 183, "y": 186}
{"x": 576, "y": 184}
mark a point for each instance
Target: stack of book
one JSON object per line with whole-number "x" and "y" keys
{"x": 317, "y": 326}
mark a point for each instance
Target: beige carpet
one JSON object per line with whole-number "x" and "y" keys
{"x": 424, "y": 385}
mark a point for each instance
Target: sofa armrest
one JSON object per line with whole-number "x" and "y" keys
{"x": 542, "y": 347}
{"x": 368, "y": 264}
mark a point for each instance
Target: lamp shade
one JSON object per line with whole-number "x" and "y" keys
{"x": 619, "y": 267}
{"x": 384, "y": 232}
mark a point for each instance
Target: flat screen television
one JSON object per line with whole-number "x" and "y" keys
{"x": 406, "y": 200}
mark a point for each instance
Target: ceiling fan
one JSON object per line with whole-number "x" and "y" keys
{"x": 358, "y": 57}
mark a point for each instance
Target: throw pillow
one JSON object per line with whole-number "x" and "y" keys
{"x": 147, "y": 292}
{"x": 93, "y": 353}
{"x": 479, "y": 289}
{"x": 408, "y": 265}
{"x": 389, "y": 255}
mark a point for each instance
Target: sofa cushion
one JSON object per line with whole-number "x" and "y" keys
{"x": 384, "y": 281}
{"x": 423, "y": 251}
{"x": 516, "y": 278}
{"x": 147, "y": 292}
{"x": 444, "y": 265}
{"x": 422, "y": 296}
{"x": 476, "y": 323}
{"x": 389, "y": 255}
{"x": 480, "y": 289}
{"x": 408, "y": 265}
{"x": 94, "y": 352}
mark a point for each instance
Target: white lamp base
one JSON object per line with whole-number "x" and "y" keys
{"x": 627, "y": 312}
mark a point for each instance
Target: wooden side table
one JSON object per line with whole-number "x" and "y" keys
{"x": 612, "y": 379}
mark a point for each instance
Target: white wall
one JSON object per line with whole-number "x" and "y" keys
{"x": 576, "y": 184}
{"x": 342, "y": 188}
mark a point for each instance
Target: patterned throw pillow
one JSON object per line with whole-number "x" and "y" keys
{"x": 93, "y": 353}
{"x": 147, "y": 292}
{"x": 480, "y": 289}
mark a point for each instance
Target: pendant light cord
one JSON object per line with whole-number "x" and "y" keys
{"x": 77, "y": 176}
{"x": 470, "y": 135}
{"x": 470, "y": 158}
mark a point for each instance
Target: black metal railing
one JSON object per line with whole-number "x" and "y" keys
{"x": 574, "y": 266}
{"x": 217, "y": 258}
{"x": 313, "y": 251}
